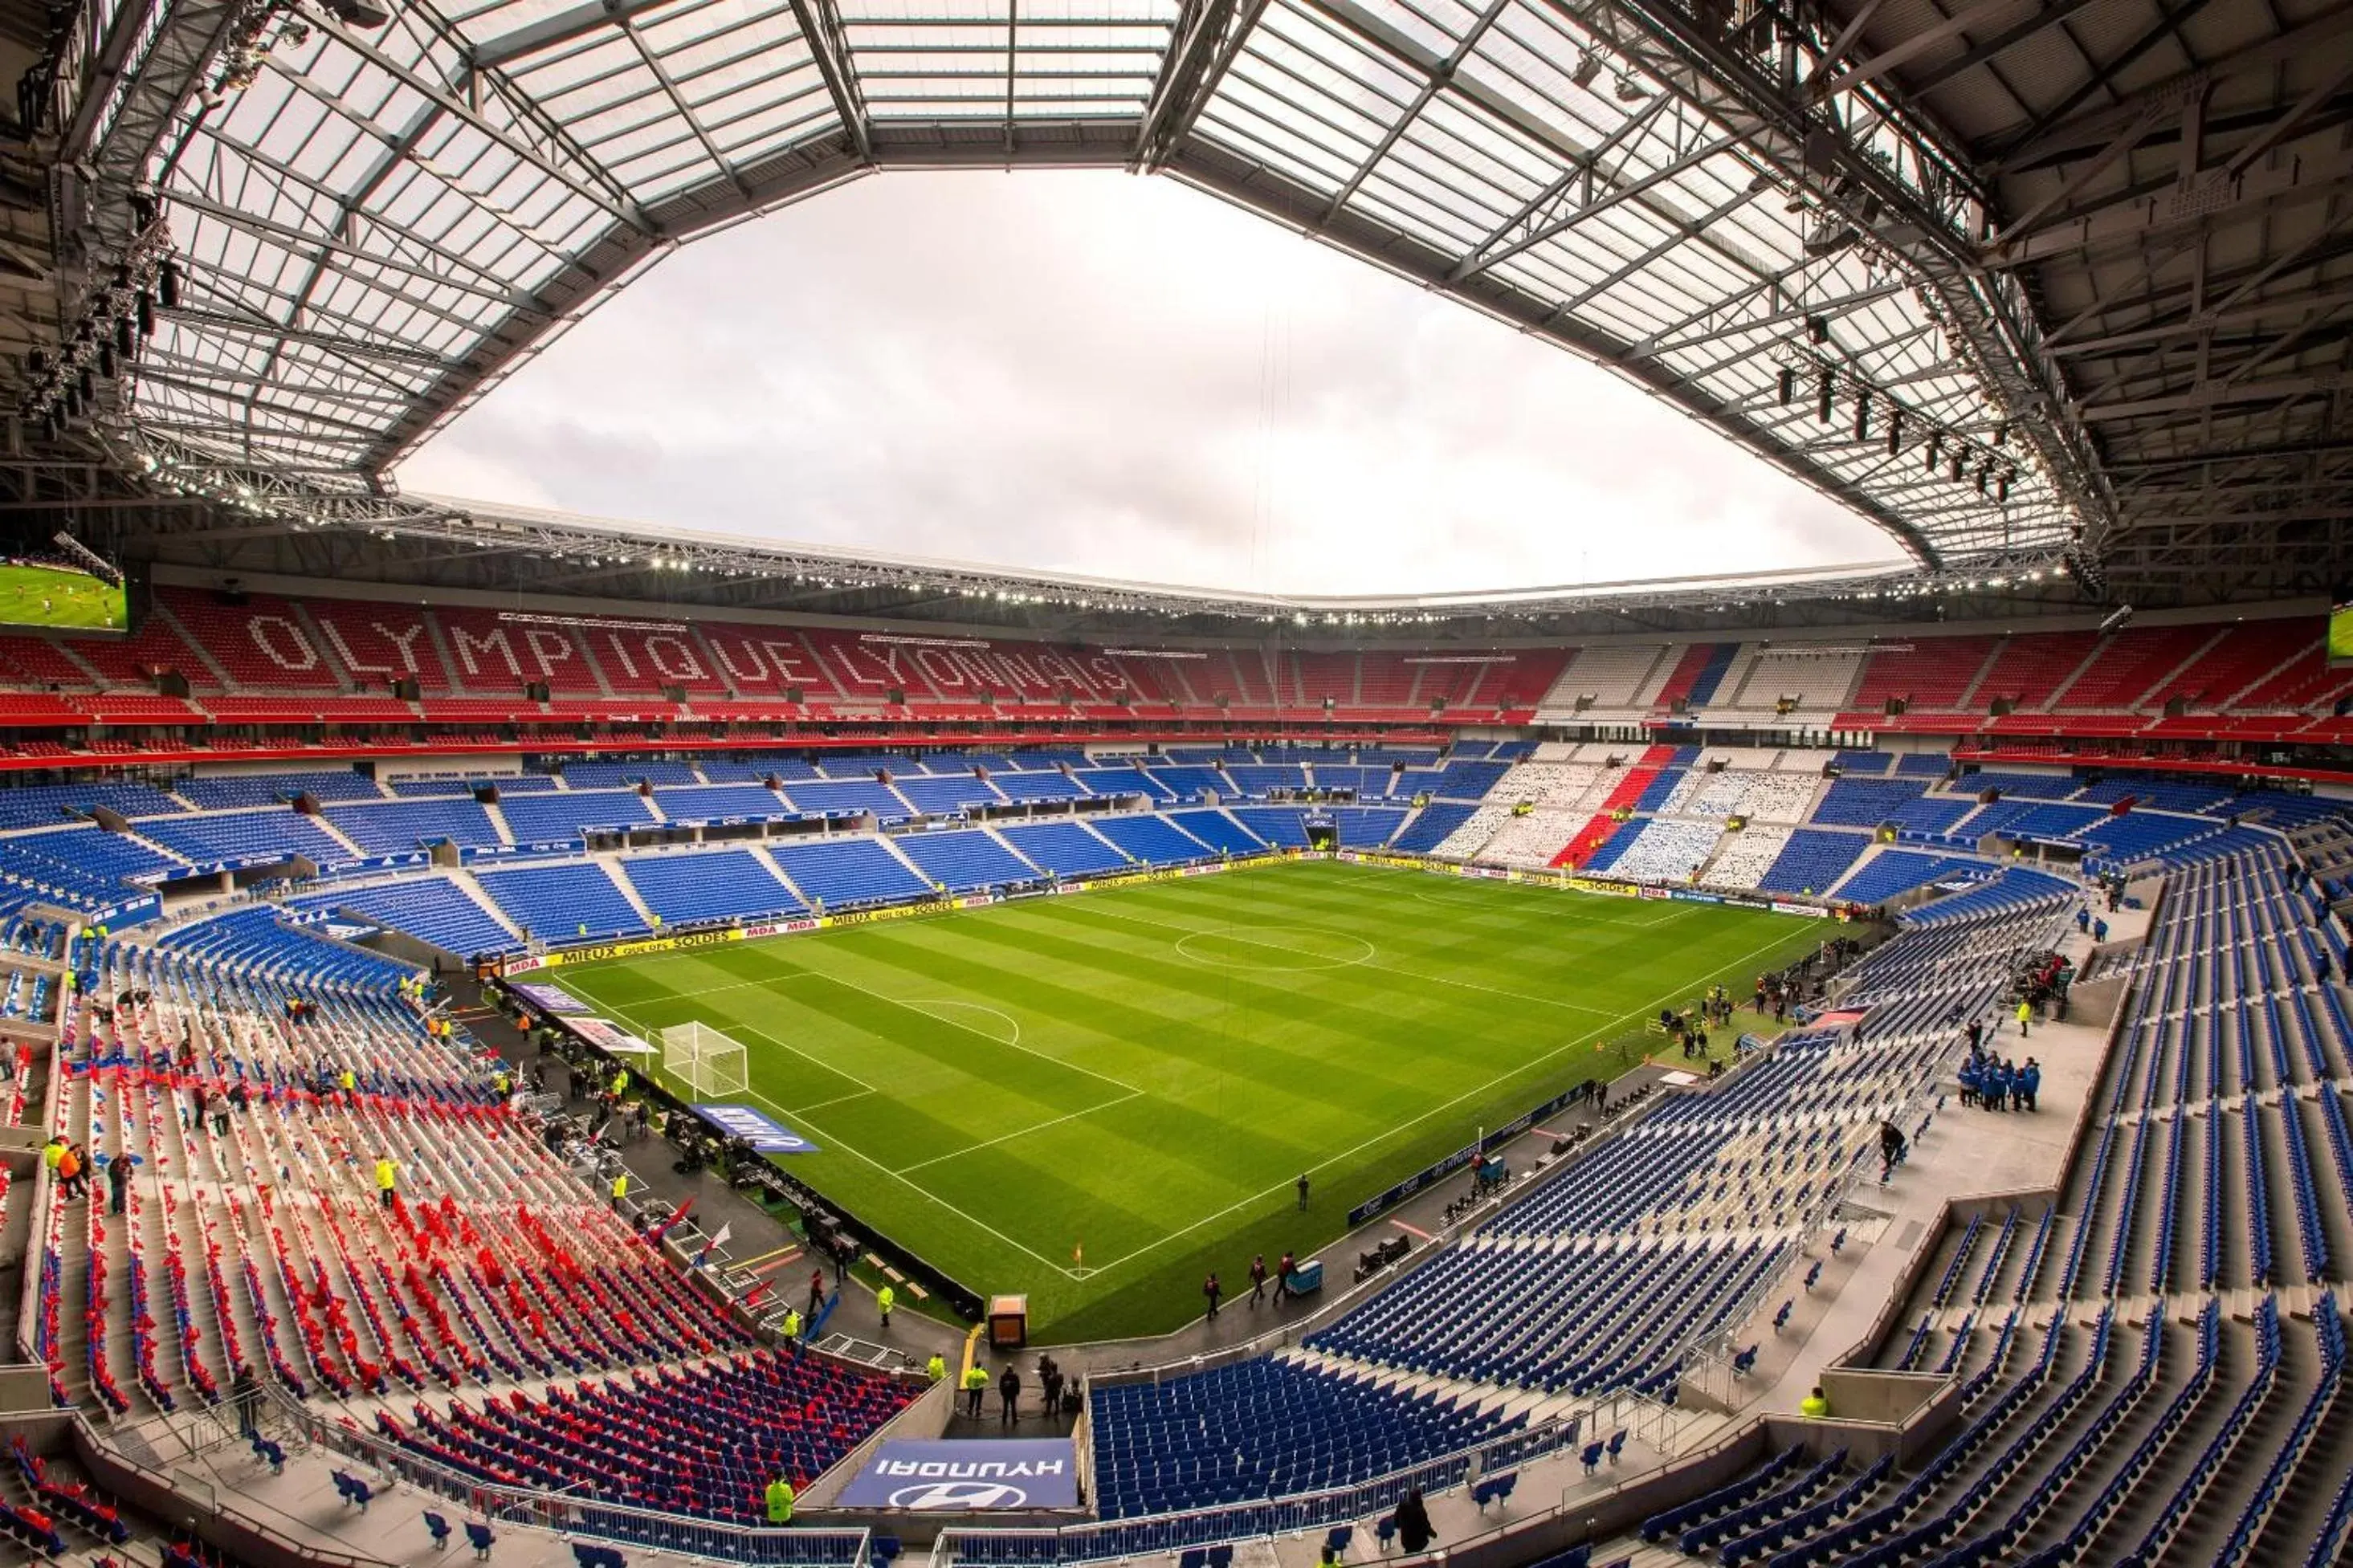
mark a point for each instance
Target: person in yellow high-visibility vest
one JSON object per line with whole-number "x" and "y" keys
{"x": 780, "y": 1500}
{"x": 937, "y": 1368}
{"x": 885, "y": 1299}
{"x": 1815, "y": 1405}
{"x": 620, "y": 1188}
{"x": 976, "y": 1389}
{"x": 387, "y": 1180}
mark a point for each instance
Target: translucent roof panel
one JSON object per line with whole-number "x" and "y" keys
{"x": 378, "y": 224}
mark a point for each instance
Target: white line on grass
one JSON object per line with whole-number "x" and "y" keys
{"x": 1022, "y": 1132}
{"x": 927, "y": 1004}
{"x": 863, "y": 1085}
{"x": 856, "y": 1153}
{"x": 1435, "y": 1110}
{"x": 1012, "y": 1045}
{"x": 1384, "y": 968}
{"x": 836, "y": 1100}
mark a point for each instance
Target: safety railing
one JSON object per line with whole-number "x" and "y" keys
{"x": 1276, "y": 1516}
{"x": 563, "y": 1514}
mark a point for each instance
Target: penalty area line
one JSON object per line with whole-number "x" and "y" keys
{"x": 854, "y": 1152}
{"x": 1019, "y": 1132}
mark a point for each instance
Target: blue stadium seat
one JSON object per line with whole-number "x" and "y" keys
{"x": 245, "y": 838}
{"x": 562, "y": 902}
{"x": 1812, "y": 862}
{"x": 434, "y": 910}
{"x": 712, "y": 885}
{"x": 398, "y": 826}
{"x": 845, "y": 872}
{"x": 566, "y": 814}
{"x": 848, "y": 797}
{"x": 227, "y": 791}
{"x": 1064, "y": 849}
{"x": 1154, "y": 840}
{"x": 965, "y": 861}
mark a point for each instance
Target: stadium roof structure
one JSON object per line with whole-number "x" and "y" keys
{"x": 2019, "y": 280}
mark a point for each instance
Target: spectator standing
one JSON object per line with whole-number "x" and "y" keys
{"x": 1258, "y": 1277}
{"x": 1008, "y": 1392}
{"x": 1211, "y": 1290}
{"x": 1303, "y": 1189}
{"x": 1050, "y": 1384}
{"x": 118, "y": 1184}
{"x": 1414, "y": 1532}
{"x": 976, "y": 1389}
{"x": 885, "y": 1300}
{"x": 245, "y": 1396}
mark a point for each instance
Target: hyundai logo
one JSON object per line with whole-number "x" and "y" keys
{"x": 939, "y": 1497}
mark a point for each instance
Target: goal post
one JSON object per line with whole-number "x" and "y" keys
{"x": 706, "y": 1061}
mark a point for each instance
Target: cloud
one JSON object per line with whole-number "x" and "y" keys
{"x": 1102, "y": 374}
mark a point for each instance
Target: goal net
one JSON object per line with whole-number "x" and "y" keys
{"x": 706, "y": 1061}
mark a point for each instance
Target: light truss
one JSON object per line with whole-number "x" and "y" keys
{"x": 561, "y": 551}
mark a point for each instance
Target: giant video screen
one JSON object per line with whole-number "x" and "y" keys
{"x": 58, "y": 595}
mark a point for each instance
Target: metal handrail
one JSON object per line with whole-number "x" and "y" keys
{"x": 1305, "y": 1511}
{"x": 537, "y": 1509}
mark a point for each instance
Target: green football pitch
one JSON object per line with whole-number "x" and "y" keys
{"x": 51, "y": 596}
{"x": 1096, "y": 1099}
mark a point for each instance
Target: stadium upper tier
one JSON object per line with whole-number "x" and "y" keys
{"x": 600, "y": 848}
{"x": 263, "y": 662}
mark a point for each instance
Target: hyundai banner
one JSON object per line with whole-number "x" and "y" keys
{"x": 764, "y": 1134}
{"x": 929, "y": 1476}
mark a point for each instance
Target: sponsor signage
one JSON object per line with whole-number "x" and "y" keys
{"x": 887, "y": 912}
{"x": 601, "y": 950}
{"x": 550, "y": 998}
{"x": 970, "y": 1475}
{"x": 779, "y": 928}
{"x": 1779, "y": 908}
{"x": 1495, "y": 1139}
{"x": 764, "y": 1132}
{"x": 610, "y": 1037}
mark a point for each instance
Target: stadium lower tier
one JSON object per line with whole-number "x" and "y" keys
{"x": 337, "y": 1203}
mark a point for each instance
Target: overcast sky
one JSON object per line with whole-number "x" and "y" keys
{"x": 1115, "y": 375}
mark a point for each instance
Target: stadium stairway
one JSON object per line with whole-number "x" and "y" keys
{"x": 890, "y": 843}
{"x": 612, "y": 863}
{"x": 327, "y": 827}
{"x": 760, "y": 852}
{"x": 464, "y": 881}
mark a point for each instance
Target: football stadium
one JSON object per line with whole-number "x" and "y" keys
{"x": 674, "y": 889}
